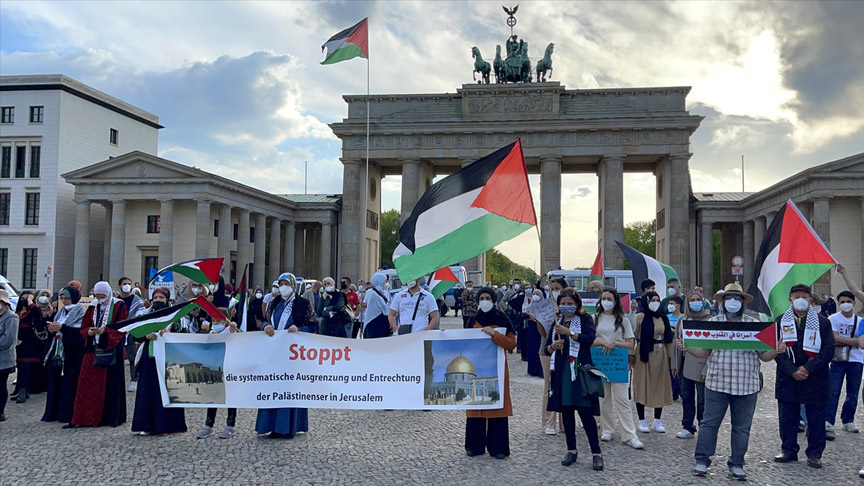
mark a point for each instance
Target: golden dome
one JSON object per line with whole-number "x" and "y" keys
{"x": 461, "y": 364}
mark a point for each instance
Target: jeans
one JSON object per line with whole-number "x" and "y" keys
{"x": 851, "y": 372}
{"x": 211, "y": 417}
{"x": 4, "y": 391}
{"x": 693, "y": 403}
{"x": 789, "y": 414}
{"x": 131, "y": 351}
{"x": 568, "y": 415}
{"x": 741, "y": 408}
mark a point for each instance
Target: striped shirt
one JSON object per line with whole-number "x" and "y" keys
{"x": 733, "y": 371}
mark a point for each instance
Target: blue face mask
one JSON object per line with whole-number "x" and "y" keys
{"x": 217, "y": 327}
{"x": 567, "y": 310}
{"x": 696, "y": 306}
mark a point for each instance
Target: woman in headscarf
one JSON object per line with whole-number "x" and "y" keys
{"x": 292, "y": 313}
{"x": 691, "y": 369}
{"x": 487, "y": 430}
{"x": 150, "y": 417}
{"x": 63, "y": 358}
{"x": 29, "y": 349}
{"x": 48, "y": 307}
{"x": 532, "y": 333}
{"x": 256, "y": 310}
{"x": 331, "y": 308}
{"x": 376, "y": 303}
{"x": 652, "y": 385}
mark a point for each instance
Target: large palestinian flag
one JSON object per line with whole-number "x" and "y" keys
{"x": 442, "y": 281}
{"x": 350, "y": 43}
{"x": 758, "y": 336}
{"x": 466, "y": 214}
{"x": 643, "y": 266}
{"x": 140, "y": 326}
{"x": 198, "y": 271}
{"x": 791, "y": 253}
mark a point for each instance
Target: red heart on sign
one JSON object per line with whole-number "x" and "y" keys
{"x": 688, "y": 333}
{"x": 698, "y": 333}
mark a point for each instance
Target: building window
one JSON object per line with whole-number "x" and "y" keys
{"x": 36, "y": 113}
{"x": 112, "y": 136}
{"x": 661, "y": 219}
{"x": 20, "y": 161}
{"x": 6, "y": 163}
{"x": 252, "y": 235}
{"x": 236, "y": 230}
{"x": 153, "y": 223}
{"x": 30, "y": 257}
{"x": 215, "y": 228}
{"x": 35, "y": 159}
{"x": 4, "y": 261}
{"x": 150, "y": 262}
{"x": 5, "y": 202}
{"x": 31, "y": 217}
{"x": 8, "y": 114}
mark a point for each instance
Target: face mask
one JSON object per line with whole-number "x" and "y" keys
{"x": 412, "y": 284}
{"x": 607, "y": 304}
{"x": 654, "y": 306}
{"x": 43, "y": 299}
{"x": 329, "y": 288}
{"x": 217, "y": 327}
{"x": 846, "y": 307}
{"x": 285, "y": 290}
{"x": 732, "y": 306}
{"x": 546, "y": 288}
{"x": 126, "y": 288}
{"x": 105, "y": 301}
{"x": 469, "y": 289}
{"x": 671, "y": 308}
{"x": 91, "y": 296}
{"x": 387, "y": 285}
{"x": 259, "y": 295}
{"x": 567, "y": 310}
{"x": 486, "y": 305}
{"x": 695, "y": 306}
{"x": 159, "y": 305}
{"x": 343, "y": 286}
{"x": 196, "y": 290}
{"x": 274, "y": 290}
{"x": 535, "y": 298}
{"x": 516, "y": 286}
{"x": 671, "y": 291}
{"x": 212, "y": 287}
{"x": 555, "y": 294}
{"x": 504, "y": 287}
{"x": 800, "y": 304}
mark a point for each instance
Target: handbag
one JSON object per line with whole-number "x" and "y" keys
{"x": 104, "y": 357}
{"x": 591, "y": 381}
{"x": 841, "y": 353}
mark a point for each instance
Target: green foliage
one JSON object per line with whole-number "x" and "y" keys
{"x": 389, "y": 236}
{"x": 499, "y": 267}
{"x": 460, "y": 395}
{"x": 494, "y": 395}
{"x": 640, "y": 236}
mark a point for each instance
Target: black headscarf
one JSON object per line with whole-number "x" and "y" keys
{"x": 74, "y": 295}
{"x": 646, "y": 334}
{"x": 494, "y": 317}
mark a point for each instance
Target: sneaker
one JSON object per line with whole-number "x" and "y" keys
{"x": 2, "y": 417}
{"x": 133, "y": 386}
{"x": 700, "y": 470}
{"x": 829, "y": 433}
{"x": 829, "y": 426}
{"x": 205, "y": 432}
{"x": 23, "y": 396}
{"x": 684, "y": 434}
{"x": 861, "y": 472}
{"x": 550, "y": 431}
{"x": 227, "y": 432}
{"x": 737, "y": 473}
{"x": 851, "y": 427}
{"x": 658, "y": 427}
{"x": 643, "y": 427}
{"x": 635, "y": 443}
{"x": 606, "y": 436}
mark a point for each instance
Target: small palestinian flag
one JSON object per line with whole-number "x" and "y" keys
{"x": 643, "y": 266}
{"x": 597, "y": 268}
{"x": 791, "y": 253}
{"x": 591, "y": 302}
{"x": 466, "y": 214}
{"x": 198, "y": 271}
{"x": 143, "y": 325}
{"x": 442, "y": 281}
{"x": 743, "y": 336}
{"x": 348, "y": 44}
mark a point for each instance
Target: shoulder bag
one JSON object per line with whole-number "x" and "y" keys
{"x": 841, "y": 353}
{"x": 591, "y": 381}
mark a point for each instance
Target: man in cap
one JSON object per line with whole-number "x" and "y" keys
{"x": 731, "y": 381}
{"x": 802, "y": 376}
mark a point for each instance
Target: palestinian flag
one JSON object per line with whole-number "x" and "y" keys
{"x": 591, "y": 302}
{"x": 791, "y": 253}
{"x": 198, "y": 271}
{"x": 242, "y": 296}
{"x": 643, "y": 266}
{"x": 350, "y": 43}
{"x": 466, "y": 214}
{"x": 442, "y": 281}
{"x": 744, "y": 336}
{"x": 597, "y": 268}
{"x": 143, "y": 325}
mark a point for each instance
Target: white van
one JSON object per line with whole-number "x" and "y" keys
{"x": 622, "y": 280}
{"x": 13, "y": 293}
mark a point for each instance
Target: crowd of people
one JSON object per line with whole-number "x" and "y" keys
{"x": 65, "y": 346}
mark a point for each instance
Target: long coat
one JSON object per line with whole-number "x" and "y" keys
{"x": 815, "y": 389}
{"x": 8, "y": 339}
{"x": 652, "y": 385}
{"x": 562, "y": 361}
{"x": 508, "y": 342}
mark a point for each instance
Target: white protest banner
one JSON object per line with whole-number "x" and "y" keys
{"x": 452, "y": 369}
{"x": 544, "y": 311}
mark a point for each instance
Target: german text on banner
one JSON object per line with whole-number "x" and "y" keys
{"x": 452, "y": 369}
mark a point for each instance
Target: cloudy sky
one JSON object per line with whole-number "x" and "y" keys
{"x": 241, "y": 93}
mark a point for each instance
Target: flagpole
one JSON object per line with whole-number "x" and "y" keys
{"x": 362, "y": 242}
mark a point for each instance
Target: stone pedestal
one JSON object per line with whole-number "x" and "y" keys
{"x": 611, "y": 209}
{"x": 550, "y": 214}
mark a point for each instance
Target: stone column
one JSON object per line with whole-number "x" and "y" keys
{"x": 477, "y": 263}
{"x": 244, "y": 247}
{"x": 166, "y": 232}
{"x": 324, "y": 249}
{"x": 260, "y": 250}
{"x": 299, "y": 250}
{"x": 728, "y": 238}
{"x": 410, "y": 186}
{"x": 352, "y": 237}
{"x": 748, "y": 254}
{"x": 550, "y": 214}
{"x": 274, "y": 267}
{"x": 706, "y": 258}
{"x": 758, "y": 235}
{"x": 226, "y": 231}
{"x": 612, "y": 210}
{"x": 81, "y": 266}
{"x": 678, "y": 217}
{"x": 118, "y": 241}
{"x": 822, "y": 225}
{"x": 104, "y": 273}
{"x": 202, "y": 229}
{"x": 287, "y": 251}
{"x": 310, "y": 262}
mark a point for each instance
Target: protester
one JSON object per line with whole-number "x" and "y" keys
{"x": 673, "y": 289}
{"x": 218, "y": 327}
{"x": 376, "y": 304}
{"x": 731, "y": 381}
{"x": 595, "y": 286}
{"x": 333, "y": 309}
{"x": 63, "y": 358}
{"x": 514, "y": 299}
{"x": 353, "y": 304}
{"x": 569, "y": 344}
{"x": 674, "y": 307}
{"x": 291, "y": 313}
{"x": 549, "y": 419}
{"x": 416, "y": 309}
{"x": 469, "y": 304}
{"x": 457, "y": 300}
{"x": 29, "y": 350}
{"x": 802, "y": 376}
{"x": 652, "y": 386}
{"x": 850, "y": 284}
{"x": 532, "y": 334}
{"x": 847, "y": 365}
{"x": 150, "y": 417}
{"x": 690, "y": 369}
{"x": 255, "y": 313}
{"x": 274, "y": 291}
{"x": 134, "y": 304}
{"x": 8, "y": 340}
{"x": 614, "y": 331}
{"x": 99, "y": 399}
{"x": 487, "y": 430}
{"x": 311, "y": 293}
{"x": 638, "y": 305}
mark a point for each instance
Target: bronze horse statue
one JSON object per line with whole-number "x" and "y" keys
{"x": 498, "y": 65}
{"x": 480, "y": 66}
{"x": 545, "y": 64}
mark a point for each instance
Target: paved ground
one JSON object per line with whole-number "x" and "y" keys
{"x": 400, "y": 447}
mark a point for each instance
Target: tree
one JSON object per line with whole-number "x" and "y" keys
{"x": 640, "y": 236}
{"x": 499, "y": 268}
{"x": 389, "y": 236}
{"x": 460, "y": 395}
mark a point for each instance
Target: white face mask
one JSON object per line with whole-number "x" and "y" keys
{"x": 535, "y": 298}
{"x": 126, "y": 288}
{"x": 847, "y": 307}
{"x": 732, "y": 305}
{"x": 274, "y": 290}
{"x": 285, "y": 291}
{"x": 546, "y": 288}
{"x": 387, "y": 284}
{"x": 516, "y": 286}
{"x": 653, "y": 306}
{"x": 212, "y": 287}
{"x": 800, "y": 304}
{"x": 555, "y": 294}
{"x": 671, "y": 291}
{"x": 469, "y": 289}
{"x": 105, "y": 301}
{"x": 411, "y": 284}
{"x": 196, "y": 290}
{"x": 671, "y": 308}
{"x": 329, "y": 288}
{"x": 607, "y": 304}
{"x": 43, "y": 299}
{"x": 486, "y": 305}
{"x": 259, "y": 295}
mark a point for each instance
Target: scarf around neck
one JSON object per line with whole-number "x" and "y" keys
{"x": 812, "y": 338}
